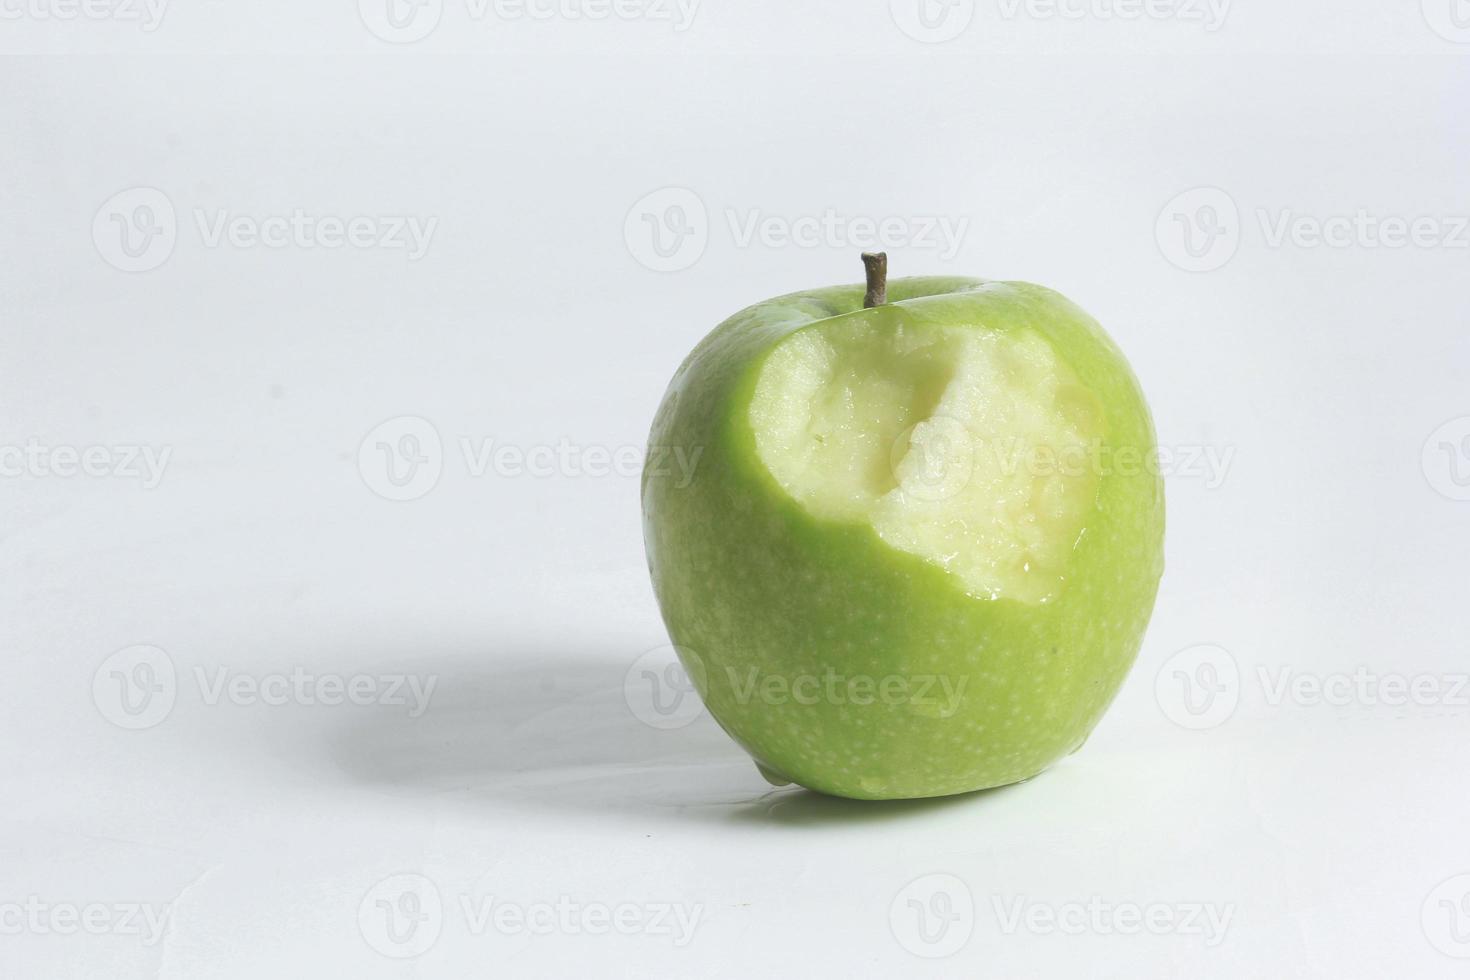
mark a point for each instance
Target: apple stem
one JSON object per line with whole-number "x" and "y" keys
{"x": 877, "y": 265}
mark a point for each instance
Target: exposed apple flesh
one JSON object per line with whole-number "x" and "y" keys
{"x": 872, "y": 422}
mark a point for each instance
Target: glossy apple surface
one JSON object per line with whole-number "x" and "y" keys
{"x": 922, "y": 542}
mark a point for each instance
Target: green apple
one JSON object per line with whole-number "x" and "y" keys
{"x": 922, "y": 543}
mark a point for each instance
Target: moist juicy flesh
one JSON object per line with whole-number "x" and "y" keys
{"x": 975, "y": 450}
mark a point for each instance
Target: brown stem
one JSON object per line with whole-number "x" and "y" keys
{"x": 877, "y": 265}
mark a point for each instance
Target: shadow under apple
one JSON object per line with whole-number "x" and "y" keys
{"x": 553, "y": 731}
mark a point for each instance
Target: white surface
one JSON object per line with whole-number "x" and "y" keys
{"x": 1330, "y": 835}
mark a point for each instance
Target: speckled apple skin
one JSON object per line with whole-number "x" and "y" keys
{"x": 750, "y": 584}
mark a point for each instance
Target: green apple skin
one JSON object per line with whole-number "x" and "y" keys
{"x": 750, "y": 584}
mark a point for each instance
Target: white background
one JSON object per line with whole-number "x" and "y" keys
{"x": 1328, "y": 545}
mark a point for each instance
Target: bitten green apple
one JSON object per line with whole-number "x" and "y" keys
{"x": 924, "y": 537}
